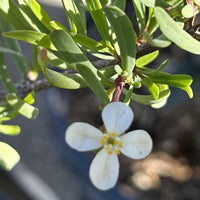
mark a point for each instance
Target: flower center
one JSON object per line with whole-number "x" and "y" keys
{"x": 111, "y": 143}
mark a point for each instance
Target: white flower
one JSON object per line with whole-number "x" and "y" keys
{"x": 117, "y": 118}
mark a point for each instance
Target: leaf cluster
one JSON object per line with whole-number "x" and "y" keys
{"x": 58, "y": 50}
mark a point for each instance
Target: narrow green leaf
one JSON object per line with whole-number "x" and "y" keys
{"x": 9, "y": 129}
{"x": 93, "y": 82}
{"x": 15, "y": 16}
{"x": 149, "y": 99}
{"x": 176, "y": 80}
{"x": 5, "y": 50}
{"x": 146, "y": 59}
{"x": 13, "y": 45}
{"x": 140, "y": 14}
{"x": 8, "y": 156}
{"x": 23, "y": 108}
{"x": 72, "y": 54}
{"x": 98, "y": 16}
{"x": 148, "y": 3}
{"x": 188, "y": 90}
{"x": 161, "y": 41}
{"x": 152, "y": 87}
{"x": 74, "y": 18}
{"x": 127, "y": 44}
{"x": 175, "y": 33}
{"x": 31, "y": 37}
{"x": 90, "y": 43}
{"x": 35, "y": 13}
{"x": 6, "y": 78}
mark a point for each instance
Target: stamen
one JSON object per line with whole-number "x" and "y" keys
{"x": 117, "y": 151}
{"x": 104, "y": 138}
{"x": 113, "y": 134}
{"x": 110, "y": 152}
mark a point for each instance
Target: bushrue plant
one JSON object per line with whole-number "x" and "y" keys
{"x": 122, "y": 65}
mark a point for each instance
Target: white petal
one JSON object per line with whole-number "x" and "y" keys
{"x": 83, "y": 137}
{"x": 136, "y": 144}
{"x": 117, "y": 117}
{"x": 104, "y": 170}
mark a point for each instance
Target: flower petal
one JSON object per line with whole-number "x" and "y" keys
{"x": 104, "y": 170}
{"x": 136, "y": 144}
{"x": 83, "y": 137}
{"x": 117, "y": 117}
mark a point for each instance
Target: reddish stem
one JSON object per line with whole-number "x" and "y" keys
{"x": 118, "y": 90}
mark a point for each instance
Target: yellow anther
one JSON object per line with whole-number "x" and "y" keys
{"x": 104, "y": 138}
{"x": 120, "y": 144}
{"x": 110, "y": 152}
{"x": 117, "y": 151}
{"x": 113, "y": 134}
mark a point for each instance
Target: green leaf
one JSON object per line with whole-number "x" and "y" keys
{"x": 13, "y": 45}
{"x": 120, "y": 4}
{"x": 8, "y": 156}
{"x": 149, "y": 99}
{"x": 29, "y": 98}
{"x": 148, "y": 3}
{"x": 161, "y": 41}
{"x": 146, "y": 59}
{"x": 68, "y": 81}
{"x": 140, "y": 14}
{"x": 74, "y": 18}
{"x": 6, "y": 78}
{"x": 98, "y": 16}
{"x": 175, "y": 33}
{"x": 15, "y": 16}
{"x": 188, "y": 90}
{"x": 93, "y": 82}
{"x": 37, "y": 15}
{"x": 127, "y": 44}
{"x": 90, "y": 43}
{"x": 9, "y": 129}
{"x": 152, "y": 87}
{"x": 23, "y": 108}
{"x": 176, "y": 80}
{"x": 72, "y": 54}
{"x": 68, "y": 49}
{"x": 31, "y": 37}
{"x": 5, "y": 50}
{"x": 187, "y": 11}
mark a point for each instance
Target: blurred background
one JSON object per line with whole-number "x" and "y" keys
{"x": 50, "y": 170}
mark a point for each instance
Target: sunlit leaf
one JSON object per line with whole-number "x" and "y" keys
{"x": 31, "y": 37}
{"x": 140, "y": 13}
{"x": 37, "y": 15}
{"x": 8, "y": 156}
{"x": 9, "y": 129}
{"x": 74, "y": 18}
{"x": 15, "y": 16}
{"x": 146, "y": 59}
{"x": 98, "y": 16}
{"x": 175, "y": 33}
{"x": 187, "y": 11}
{"x": 152, "y": 87}
{"x": 20, "y": 106}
